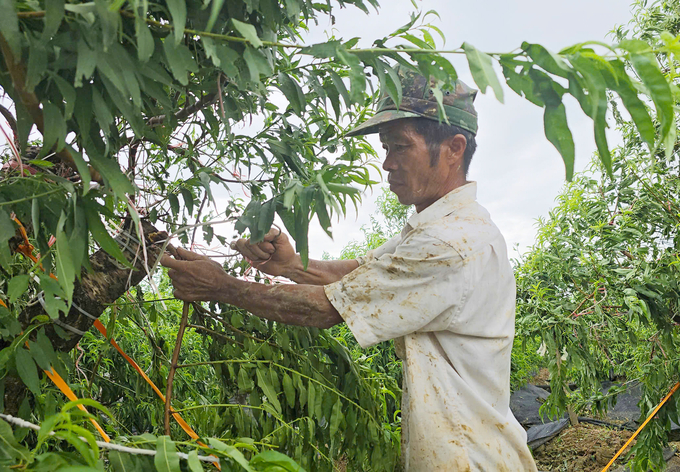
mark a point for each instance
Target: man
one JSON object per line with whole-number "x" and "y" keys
{"x": 443, "y": 290}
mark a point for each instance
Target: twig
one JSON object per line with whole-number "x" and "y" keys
{"x": 173, "y": 364}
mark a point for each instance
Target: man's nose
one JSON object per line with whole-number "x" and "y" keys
{"x": 389, "y": 163}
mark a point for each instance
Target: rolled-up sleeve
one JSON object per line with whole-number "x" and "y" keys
{"x": 421, "y": 286}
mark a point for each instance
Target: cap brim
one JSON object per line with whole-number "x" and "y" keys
{"x": 372, "y": 125}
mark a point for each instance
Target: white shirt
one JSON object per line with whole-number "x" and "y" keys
{"x": 444, "y": 290}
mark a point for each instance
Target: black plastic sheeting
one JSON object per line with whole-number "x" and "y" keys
{"x": 526, "y": 402}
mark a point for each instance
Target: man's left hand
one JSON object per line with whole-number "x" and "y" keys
{"x": 195, "y": 277}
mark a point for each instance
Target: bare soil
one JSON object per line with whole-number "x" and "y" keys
{"x": 581, "y": 448}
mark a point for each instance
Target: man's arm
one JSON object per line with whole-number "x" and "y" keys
{"x": 197, "y": 278}
{"x": 276, "y": 256}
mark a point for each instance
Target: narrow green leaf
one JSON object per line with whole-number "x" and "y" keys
{"x": 27, "y": 370}
{"x": 86, "y": 63}
{"x": 17, "y": 286}
{"x": 66, "y": 272}
{"x": 288, "y": 390}
{"x": 9, "y": 445}
{"x": 268, "y": 390}
{"x": 336, "y": 418}
{"x": 293, "y": 92}
{"x": 54, "y": 14}
{"x": 67, "y": 92}
{"x": 558, "y": 133}
{"x": 55, "y": 128}
{"x": 180, "y": 60}
{"x": 230, "y": 451}
{"x": 629, "y": 96}
{"x": 178, "y": 11}
{"x": 215, "y": 7}
{"x": 248, "y": 31}
{"x": 166, "y": 459}
{"x": 193, "y": 462}
{"x": 648, "y": 69}
{"x": 482, "y": 70}
{"x": 110, "y": 170}
{"x": 275, "y": 461}
{"x": 311, "y": 399}
{"x": 103, "y": 238}
{"x": 9, "y": 26}
{"x": 122, "y": 462}
{"x": 549, "y": 61}
{"x": 257, "y": 64}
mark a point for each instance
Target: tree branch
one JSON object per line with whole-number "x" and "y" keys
{"x": 10, "y": 119}
{"x": 18, "y": 74}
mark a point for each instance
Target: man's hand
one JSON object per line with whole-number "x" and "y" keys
{"x": 274, "y": 255}
{"x": 196, "y": 277}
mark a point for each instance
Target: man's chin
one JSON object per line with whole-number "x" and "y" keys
{"x": 403, "y": 199}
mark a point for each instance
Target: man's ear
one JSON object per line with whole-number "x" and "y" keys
{"x": 453, "y": 148}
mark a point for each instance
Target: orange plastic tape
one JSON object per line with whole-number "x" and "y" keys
{"x": 66, "y": 390}
{"x": 642, "y": 426}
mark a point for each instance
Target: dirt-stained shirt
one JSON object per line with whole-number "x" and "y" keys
{"x": 444, "y": 290}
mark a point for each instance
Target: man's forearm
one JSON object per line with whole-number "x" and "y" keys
{"x": 320, "y": 272}
{"x": 303, "y": 305}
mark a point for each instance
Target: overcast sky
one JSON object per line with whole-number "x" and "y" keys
{"x": 518, "y": 171}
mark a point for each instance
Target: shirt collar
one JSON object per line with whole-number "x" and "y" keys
{"x": 449, "y": 203}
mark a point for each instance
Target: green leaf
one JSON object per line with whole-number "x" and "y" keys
{"x": 288, "y": 390}
{"x": 55, "y": 128}
{"x": 293, "y": 92}
{"x": 66, "y": 272}
{"x": 122, "y": 462}
{"x": 257, "y": 64}
{"x": 9, "y": 447}
{"x": 558, "y": 133}
{"x": 549, "y": 61}
{"x": 9, "y": 26}
{"x": 101, "y": 235}
{"x": 248, "y": 31}
{"x": 67, "y": 92}
{"x": 166, "y": 459}
{"x": 27, "y": 370}
{"x": 230, "y": 451}
{"x": 215, "y": 7}
{"x": 86, "y": 63}
{"x": 145, "y": 42}
{"x": 54, "y": 14}
{"x": 268, "y": 390}
{"x": 194, "y": 462}
{"x": 275, "y": 458}
{"x": 311, "y": 399}
{"x": 648, "y": 70}
{"x": 178, "y": 11}
{"x": 180, "y": 60}
{"x": 336, "y": 418}
{"x": 110, "y": 170}
{"x": 482, "y": 71}
{"x": 357, "y": 76}
{"x": 17, "y": 286}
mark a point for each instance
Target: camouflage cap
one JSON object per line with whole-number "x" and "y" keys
{"x": 418, "y": 100}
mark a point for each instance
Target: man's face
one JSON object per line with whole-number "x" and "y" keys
{"x": 410, "y": 175}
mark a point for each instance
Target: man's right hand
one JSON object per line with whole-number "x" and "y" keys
{"x": 274, "y": 255}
